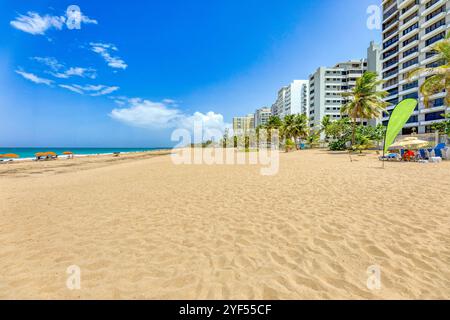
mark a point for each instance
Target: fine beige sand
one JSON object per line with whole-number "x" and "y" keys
{"x": 141, "y": 227}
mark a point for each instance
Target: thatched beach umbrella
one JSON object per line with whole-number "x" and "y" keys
{"x": 69, "y": 154}
{"x": 10, "y": 156}
{"x": 410, "y": 143}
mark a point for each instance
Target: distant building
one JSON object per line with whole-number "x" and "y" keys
{"x": 242, "y": 125}
{"x": 326, "y": 88}
{"x": 374, "y": 64}
{"x": 292, "y": 99}
{"x": 410, "y": 29}
{"x": 262, "y": 116}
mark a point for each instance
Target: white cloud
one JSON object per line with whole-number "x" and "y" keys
{"x": 35, "y": 24}
{"x": 34, "y": 78}
{"x": 71, "y": 88}
{"x": 92, "y": 90}
{"x": 60, "y": 71}
{"x": 104, "y": 50}
{"x": 159, "y": 115}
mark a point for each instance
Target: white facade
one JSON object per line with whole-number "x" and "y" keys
{"x": 292, "y": 99}
{"x": 262, "y": 116}
{"x": 327, "y": 86}
{"x": 410, "y": 29}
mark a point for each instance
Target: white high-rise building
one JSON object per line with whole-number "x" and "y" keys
{"x": 410, "y": 29}
{"x": 242, "y": 125}
{"x": 262, "y": 116}
{"x": 292, "y": 99}
{"x": 326, "y": 86}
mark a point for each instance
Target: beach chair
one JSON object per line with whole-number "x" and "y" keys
{"x": 423, "y": 154}
{"x": 438, "y": 150}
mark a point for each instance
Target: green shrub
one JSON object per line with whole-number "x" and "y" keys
{"x": 338, "y": 145}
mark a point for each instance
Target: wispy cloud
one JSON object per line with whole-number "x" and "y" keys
{"x": 146, "y": 114}
{"x": 105, "y": 51}
{"x": 60, "y": 71}
{"x": 91, "y": 90}
{"x": 35, "y": 24}
{"x": 34, "y": 78}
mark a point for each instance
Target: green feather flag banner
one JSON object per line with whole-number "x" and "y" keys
{"x": 399, "y": 117}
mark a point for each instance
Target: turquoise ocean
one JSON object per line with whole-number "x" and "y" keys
{"x": 30, "y": 152}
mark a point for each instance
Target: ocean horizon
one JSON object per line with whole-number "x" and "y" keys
{"x": 25, "y": 153}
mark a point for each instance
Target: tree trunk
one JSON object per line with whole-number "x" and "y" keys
{"x": 353, "y": 133}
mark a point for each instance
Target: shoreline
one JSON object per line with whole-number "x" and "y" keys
{"x": 67, "y": 157}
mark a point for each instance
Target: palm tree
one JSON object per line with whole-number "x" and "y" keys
{"x": 301, "y": 127}
{"x": 288, "y": 129}
{"x": 365, "y": 101}
{"x": 274, "y": 123}
{"x": 438, "y": 78}
{"x": 326, "y": 122}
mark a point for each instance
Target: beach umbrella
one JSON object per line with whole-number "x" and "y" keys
{"x": 69, "y": 154}
{"x": 10, "y": 156}
{"x": 51, "y": 154}
{"x": 410, "y": 143}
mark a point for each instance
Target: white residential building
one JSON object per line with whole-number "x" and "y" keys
{"x": 242, "y": 125}
{"x": 328, "y": 84}
{"x": 262, "y": 116}
{"x": 326, "y": 88}
{"x": 410, "y": 29}
{"x": 292, "y": 99}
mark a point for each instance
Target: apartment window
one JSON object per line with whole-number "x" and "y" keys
{"x": 410, "y": 6}
{"x": 411, "y": 85}
{"x": 392, "y": 92}
{"x": 436, "y": 103}
{"x": 434, "y": 26}
{"x": 411, "y": 28}
{"x": 410, "y": 51}
{"x": 413, "y": 95}
{"x": 434, "y": 116}
{"x": 387, "y": 74}
{"x": 410, "y": 63}
{"x": 388, "y": 4}
{"x": 430, "y": 54}
{"x": 390, "y": 33}
{"x": 435, "y": 64}
{"x": 390, "y": 42}
{"x": 431, "y": 3}
{"x": 390, "y": 22}
{"x": 390, "y": 83}
{"x": 389, "y": 12}
{"x": 389, "y": 53}
{"x": 435, "y": 13}
{"x": 413, "y": 119}
{"x": 393, "y": 101}
{"x": 410, "y": 40}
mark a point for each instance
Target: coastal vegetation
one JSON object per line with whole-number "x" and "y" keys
{"x": 437, "y": 77}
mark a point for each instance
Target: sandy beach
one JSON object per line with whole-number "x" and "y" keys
{"x": 140, "y": 227}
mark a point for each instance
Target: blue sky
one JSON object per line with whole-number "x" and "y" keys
{"x": 138, "y": 69}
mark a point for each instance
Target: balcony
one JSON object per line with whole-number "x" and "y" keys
{"x": 390, "y": 12}
{"x": 404, "y": 3}
{"x": 433, "y": 7}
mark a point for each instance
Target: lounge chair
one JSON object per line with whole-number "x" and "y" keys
{"x": 423, "y": 154}
{"x": 438, "y": 149}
